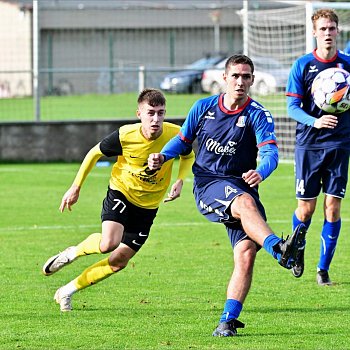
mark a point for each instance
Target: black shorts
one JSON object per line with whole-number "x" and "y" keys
{"x": 137, "y": 221}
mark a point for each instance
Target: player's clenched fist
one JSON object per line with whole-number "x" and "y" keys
{"x": 155, "y": 161}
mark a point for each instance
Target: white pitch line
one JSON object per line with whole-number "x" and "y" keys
{"x": 79, "y": 227}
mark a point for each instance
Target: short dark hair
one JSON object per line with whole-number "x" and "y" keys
{"x": 238, "y": 59}
{"x": 324, "y": 13}
{"x": 153, "y": 97}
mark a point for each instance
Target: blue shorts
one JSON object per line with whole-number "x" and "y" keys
{"x": 213, "y": 198}
{"x": 325, "y": 169}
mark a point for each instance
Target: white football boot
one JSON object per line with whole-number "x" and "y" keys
{"x": 65, "y": 301}
{"x": 56, "y": 262}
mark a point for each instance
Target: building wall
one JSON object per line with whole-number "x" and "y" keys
{"x": 15, "y": 43}
{"x": 55, "y": 141}
{"x": 84, "y": 57}
{"x": 80, "y": 46}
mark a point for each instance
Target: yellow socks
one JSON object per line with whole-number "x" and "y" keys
{"x": 91, "y": 245}
{"x": 93, "y": 274}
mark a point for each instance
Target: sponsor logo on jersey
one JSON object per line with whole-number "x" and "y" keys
{"x": 313, "y": 69}
{"x": 210, "y": 115}
{"x": 217, "y": 148}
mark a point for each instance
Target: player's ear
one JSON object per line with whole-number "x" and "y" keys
{"x": 138, "y": 113}
{"x": 253, "y": 77}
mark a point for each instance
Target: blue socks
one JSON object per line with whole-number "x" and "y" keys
{"x": 231, "y": 311}
{"x": 296, "y": 222}
{"x": 269, "y": 242}
{"x": 329, "y": 238}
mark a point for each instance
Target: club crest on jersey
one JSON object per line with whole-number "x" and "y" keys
{"x": 241, "y": 121}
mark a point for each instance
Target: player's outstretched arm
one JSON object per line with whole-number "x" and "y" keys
{"x": 70, "y": 198}
{"x": 72, "y": 195}
{"x": 186, "y": 162}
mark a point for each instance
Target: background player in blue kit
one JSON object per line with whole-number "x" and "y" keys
{"x": 322, "y": 142}
{"x": 230, "y": 128}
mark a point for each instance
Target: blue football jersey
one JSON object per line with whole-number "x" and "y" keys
{"x": 301, "y": 77}
{"x": 228, "y": 141}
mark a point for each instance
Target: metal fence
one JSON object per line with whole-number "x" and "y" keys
{"x": 105, "y": 47}
{"x": 58, "y": 49}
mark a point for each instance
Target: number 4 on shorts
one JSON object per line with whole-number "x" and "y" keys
{"x": 299, "y": 188}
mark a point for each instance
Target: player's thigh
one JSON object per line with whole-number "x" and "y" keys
{"x": 138, "y": 226}
{"x": 112, "y": 234}
{"x": 114, "y": 215}
{"x": 308, "y": 165}
{"x": 335, "y": 175}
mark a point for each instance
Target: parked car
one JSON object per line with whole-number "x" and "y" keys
{"x": 189, "y": 79}
{"x": 270, "y": 77}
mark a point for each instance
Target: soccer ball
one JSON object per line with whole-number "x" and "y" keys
{"x": 331, "y": 90}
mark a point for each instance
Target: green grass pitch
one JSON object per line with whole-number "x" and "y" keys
{"x": 172, "y": 293}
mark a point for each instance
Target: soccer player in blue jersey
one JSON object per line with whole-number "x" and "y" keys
{"x": 230, "y": 129}
{"x": 322, "y": 142}
{"x": 133, "y": 196}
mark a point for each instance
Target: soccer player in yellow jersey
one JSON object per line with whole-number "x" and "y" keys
{"x": 133, "y": 196}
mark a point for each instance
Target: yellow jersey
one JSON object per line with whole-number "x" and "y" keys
{"x": 130, "y": 174}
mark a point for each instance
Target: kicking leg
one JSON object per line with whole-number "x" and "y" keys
{"x": 244, "y": 208}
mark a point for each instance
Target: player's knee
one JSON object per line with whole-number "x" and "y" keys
{"x": 246, "y": 202}
{"x": 332, "y": 214}
{"x": 245, "y": 255}
{"x": 305, "y": 210}
{"x": 305, "y": 213}
{"x": 108, "y": 245}
{"x": 248, "y": 255}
